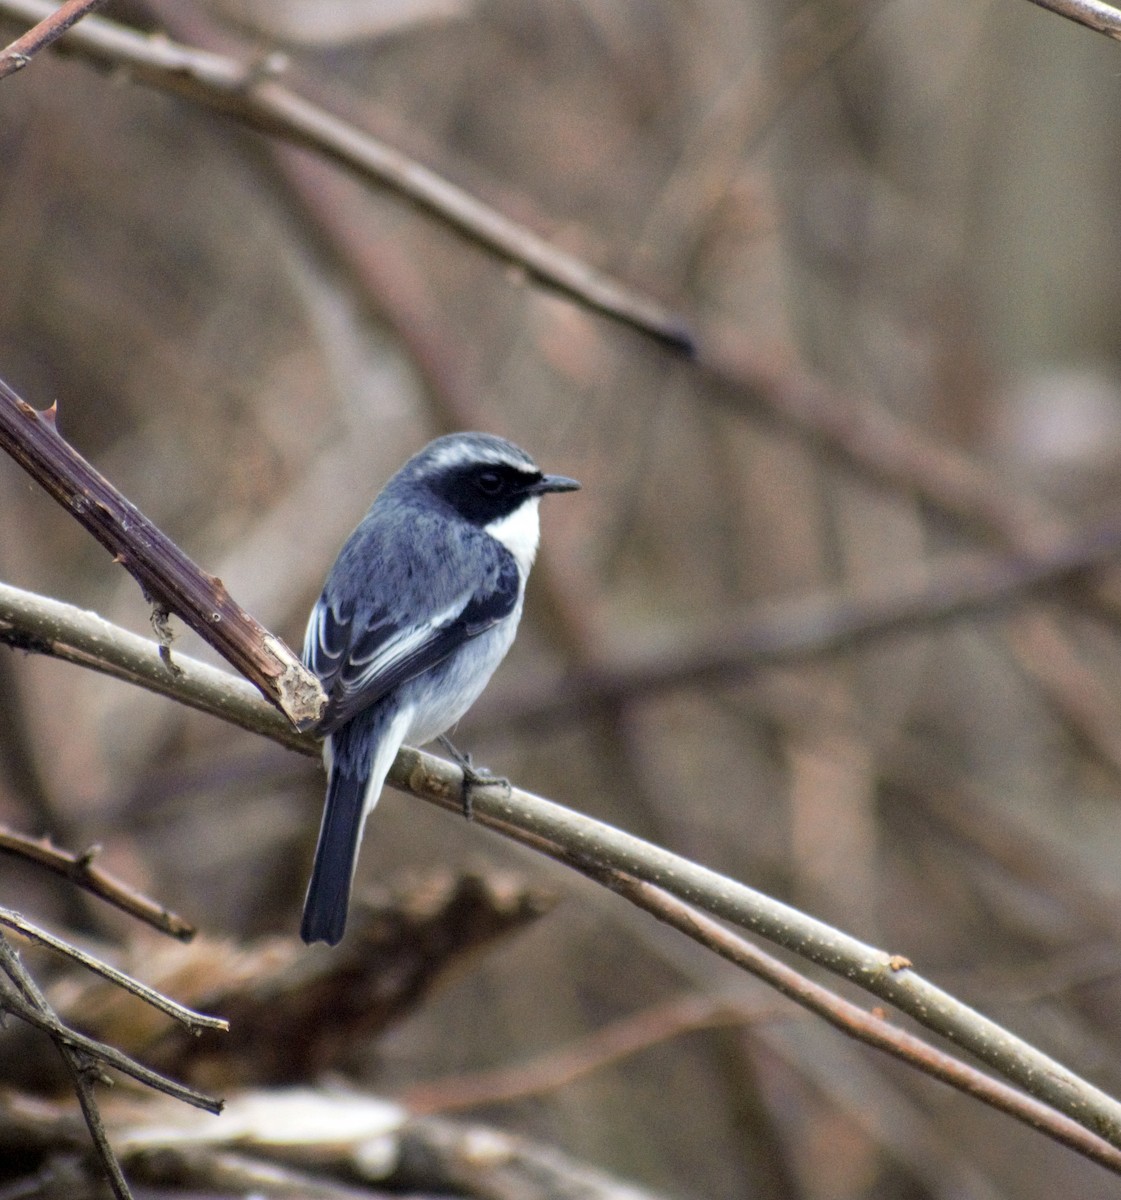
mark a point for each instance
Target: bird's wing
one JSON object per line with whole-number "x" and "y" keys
{"x": 359, "y": 660}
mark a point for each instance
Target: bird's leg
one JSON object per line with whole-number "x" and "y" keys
{"x": 473, "y": 777}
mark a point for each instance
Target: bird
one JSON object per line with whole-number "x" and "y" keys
{"x": 420, "y": 607}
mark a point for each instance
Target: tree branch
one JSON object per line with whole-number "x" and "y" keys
{"x": 196, "y": 1022}
{"x": 594, "y": 847}
{"x": 799, "y": 629}
{"x": 870, "y": 1028}
{"x": 70, "y": 1039}
{"x": 246, "y": 93}
{"x": 79, "y": 869}
{"x": 168, "y": 578}
{"x": 780, "y": 633}
{"x": 19, "y": 53}
{"x": 1101, "y": 18}
{"x": 41, "y": 625}
{"x": 23, "y": 997}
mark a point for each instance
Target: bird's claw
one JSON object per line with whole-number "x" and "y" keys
{"x": 473, "y": 777}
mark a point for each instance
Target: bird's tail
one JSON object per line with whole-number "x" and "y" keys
{"x": 328, "y": 893}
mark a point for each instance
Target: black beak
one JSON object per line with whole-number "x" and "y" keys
{"x": 553, "y": 483}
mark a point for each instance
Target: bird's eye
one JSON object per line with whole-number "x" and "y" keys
{"x": 489, "y": 483}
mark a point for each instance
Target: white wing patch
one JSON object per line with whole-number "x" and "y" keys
{"x": 363, "y": 670}
{"x": 316, "y": 649}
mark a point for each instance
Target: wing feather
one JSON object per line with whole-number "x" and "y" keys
{"x": 360, "y": 654}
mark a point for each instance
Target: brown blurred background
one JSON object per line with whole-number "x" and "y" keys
{"x": 915, "y": 203}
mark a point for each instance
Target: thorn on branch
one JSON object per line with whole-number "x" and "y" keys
{"x": 84, "y": 859}
{"x": 171, "y": 581}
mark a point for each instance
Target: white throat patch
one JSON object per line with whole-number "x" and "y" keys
{"x": 519, "y": 533}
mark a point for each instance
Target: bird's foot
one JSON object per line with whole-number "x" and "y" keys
{"x": 473, "y": 777}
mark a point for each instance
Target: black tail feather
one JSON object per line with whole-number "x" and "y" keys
{"x": 328, "y": 893}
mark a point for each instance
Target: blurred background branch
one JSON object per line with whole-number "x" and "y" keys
{"x": 244, "y": 91}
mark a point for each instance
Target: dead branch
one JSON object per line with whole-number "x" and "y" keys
{"x": 22, "y": 997}
{"x": 19, "y": 53}
{"x": 194, "y": 1021}
{"x": 167, "y": 577}
{"x": 80, "y": 870}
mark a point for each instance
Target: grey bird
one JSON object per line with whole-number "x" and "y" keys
{"x": 419, "y": 609}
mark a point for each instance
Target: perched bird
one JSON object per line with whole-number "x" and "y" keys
{"x": 419, "y": 609}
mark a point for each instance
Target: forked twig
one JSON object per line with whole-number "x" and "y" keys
{"x": 22, "y": 995}
{"x": 196, "y": 1022}
{"x": 45, "y": 1019}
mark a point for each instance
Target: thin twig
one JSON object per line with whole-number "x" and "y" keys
{"x": 167, "y": 577}
{"x": 195, "y": 1021}
{"x": 870, "y": 1028}
{"x": 247, "y": 93}
{"x": 79, "y": 869}
{"x": 19, "y": 53}
{"x": 1101, "y": 18}
{"x": 109, "y": 1055}
{"x": 558, "y": 1068}
{"x": 24, "y": 994}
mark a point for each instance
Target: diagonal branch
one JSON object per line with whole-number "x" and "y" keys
{"x": 168, "y": 578}
{"x": 247, "y": 93}
{"x": 1101, "y": 18}
{"x": 19, "y": 53}
{"x": 41, "y": 625}
{"x": 870, "y": 1028}
{"x": 80, "y": 869}
{"x": 596, "y": 848}
{"x": 196, "y": 1022}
